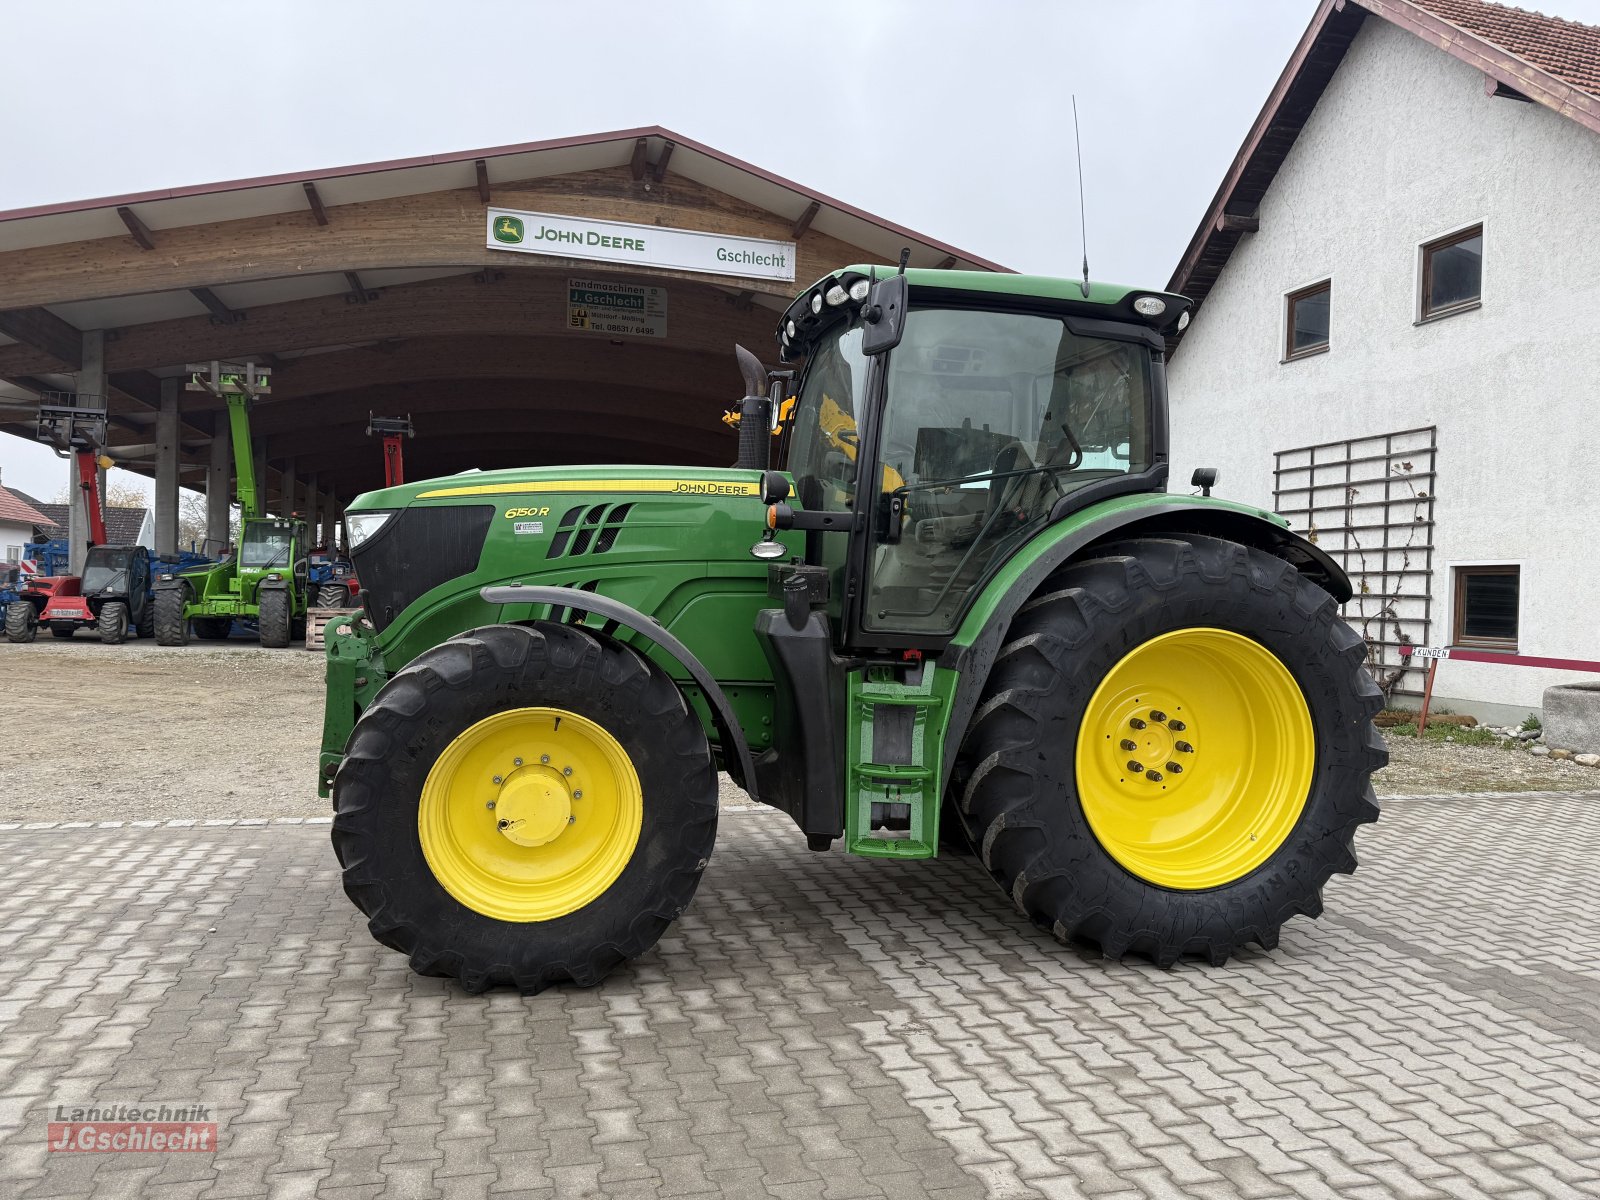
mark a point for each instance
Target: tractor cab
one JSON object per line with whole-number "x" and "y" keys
{"x": 952, "y": 448}
{"x": 270, "y": 544}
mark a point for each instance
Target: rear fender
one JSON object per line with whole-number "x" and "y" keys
{"x": 978, "y": 642}
{"x": 735, "y": 749}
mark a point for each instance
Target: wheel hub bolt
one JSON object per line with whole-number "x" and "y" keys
{"x": 544, "y": 758}
{"x": 516, "y": 762}
{"x": 1157, "y": 715}
{"x": 498, "y": 780}
{"x": 1135, "y": 765}
{"x": 1129, "y": 744}
{"x": 1175, "y": 768}
{"x": 1136, "y": 723}
{"x": 578, "y": 795}
{"x": 1176, "y": 725}
{"x": 566, "y": 770}
{"x": 490, "y": 805}
{"x": 1183, "y": 748}
{"x": 1153, "y": 776}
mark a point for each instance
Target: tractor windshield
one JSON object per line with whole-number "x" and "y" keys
{"x": 824, "y": 442}
{"x": 266, "y": 544}
{"x": 106, "y": 568}
{"x": 990, "y": 419}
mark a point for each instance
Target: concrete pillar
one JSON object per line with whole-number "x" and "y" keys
{"x": 329, "y": 504}
{"x": 167, "y": 468}
{"x": 219, "y": 486}
{"x": 261, "y": 475}
{"x": 91, "y": 392}
{"x": 309, "y": 508}
{"x": 286, "y": 489}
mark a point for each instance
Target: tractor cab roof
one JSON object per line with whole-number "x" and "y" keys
{"x": 840, "y": 294}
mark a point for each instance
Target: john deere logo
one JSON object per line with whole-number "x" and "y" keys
{"x": 508, "y": 229}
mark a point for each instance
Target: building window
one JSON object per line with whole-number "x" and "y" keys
{"x": 1452, "y": 273}
{"x": 1306, "y": 324}
{"x": 1486, "y": 607}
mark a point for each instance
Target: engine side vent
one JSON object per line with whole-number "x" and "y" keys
{"x": 558, "y": 544}
{"x": 588, "y": 531}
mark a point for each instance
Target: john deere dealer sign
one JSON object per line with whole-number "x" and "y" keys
{"x": 640, "y": 245}
{"x": 595, "y": 306}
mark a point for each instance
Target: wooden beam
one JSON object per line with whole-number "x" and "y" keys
{"x": 661, "y": 163}
{"x": 1504, "y": 91}
{"x": 317, "y": 211}
{"x": 136, "y": 227}
{"x": 804, "y": 222}
{"x": 219, "y": 311}
{"x": 945, "y": 263}
{"x": 359, "y": 294}
{"x": 483, "y": 180}
{"x": 1238, "y": 223}
{"x": 637, "y": 165}
{"x": 43, "y": 330}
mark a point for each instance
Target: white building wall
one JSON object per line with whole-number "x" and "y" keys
{"x": 12, "y": 535}
{"x": 1403, "y": 147}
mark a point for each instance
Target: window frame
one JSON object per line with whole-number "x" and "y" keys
{"x": 1290, "y": 299}
{"x": 1459, "y": 574}
{"x": 1425, "y": 253}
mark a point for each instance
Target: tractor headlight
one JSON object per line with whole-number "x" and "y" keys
{"x": 860, "y": 289}
{"x": 363, "y": 525}
{"x": 816, "y": 302}
{"x": 1149, "y": 306}
{"x": 836, "y": 295}
{"x": 1183, "y": 322}
{"x": 789, "y": 329}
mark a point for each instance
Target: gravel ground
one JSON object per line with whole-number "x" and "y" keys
{"x": 138, "y": 732}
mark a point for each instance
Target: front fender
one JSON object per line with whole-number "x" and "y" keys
{"x": 618, "y": 614}
{"x": 977, "y": 643}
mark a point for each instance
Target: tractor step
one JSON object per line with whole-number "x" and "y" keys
{"x": 895, "y": 746}
{"x": 317, "y": 620}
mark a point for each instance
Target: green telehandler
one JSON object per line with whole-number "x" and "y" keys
{"x": 965, "y": 612}
{"x": 263, "y": 582}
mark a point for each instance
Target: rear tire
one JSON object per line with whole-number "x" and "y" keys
{"x": 171, "y": 628}
{"x": 425, "y": 712}
{"x": 112, "y": 622}
{"x": 1030, "y": 798}
{"x": 146, "y": 625}
{"x": 333, "y": 595}
{"x": 275, "y": 618}
{"x": 22, "y": 621}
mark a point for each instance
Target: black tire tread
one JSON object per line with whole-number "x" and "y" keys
{"x": 359, "y": 790}
{"x": 275, "y": 617}
{"x": 1081, "y": 606}
{"x": 21, "y": 622}
{"x": 170, "y": 626}
{"x": 111, "y": 622}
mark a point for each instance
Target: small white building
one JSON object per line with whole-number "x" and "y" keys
{"x": 1395, "y": 342}
{"x": 20, "y": 523}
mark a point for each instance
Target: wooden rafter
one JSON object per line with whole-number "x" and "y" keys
{"x": 803, "y": 222}
{"x": 141, "y": 234}
{"x": 482, "y": 169}
{"x": 638, "y": 162}
{"x": 313, "y": 199}
{"x": 43, "y": 330}
{"x": 219, "y": 311}
{"x": 661, "y": 163}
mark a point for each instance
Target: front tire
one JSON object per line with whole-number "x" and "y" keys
{"x": 112, "y": 622}
{"x": 22, "y": 621}
{"x": 171, "y": 628}
{"x": 501, "y": 896}
{"x": 275, "y": 618}
{"x": 1274, "y": 750}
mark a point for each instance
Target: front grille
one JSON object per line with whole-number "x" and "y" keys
{"x": 415, "y": 552}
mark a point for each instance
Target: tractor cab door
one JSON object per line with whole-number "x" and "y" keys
{"x": 993, "y": 424}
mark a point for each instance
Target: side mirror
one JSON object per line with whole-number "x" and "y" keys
{"x": 884, "y": 315}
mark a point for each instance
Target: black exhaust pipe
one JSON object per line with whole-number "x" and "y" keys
{"x": 754, "y": 413}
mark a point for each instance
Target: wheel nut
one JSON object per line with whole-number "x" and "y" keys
{"x": 1135, "y": 765}
{"x": 544, "y": 758}
{"x": 1175, "y": 768}
{"x": 1176, "y": 725}
{"x": 577, "y": 795}
{"x": 490, "y": 805}
{"x": 1153, "y": 776}
{"x": 1129, "y": 744}
{"x": 1136, "y": 723}
{"x": 516, "y": 762}
{"x": 566, "y": 770}
{"x": 1157, "y": 715}
{"x": 1183, "y": 747}
{"x": 498, "y": 780}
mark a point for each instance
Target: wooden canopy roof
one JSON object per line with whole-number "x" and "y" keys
{"x": 371, "y": 289}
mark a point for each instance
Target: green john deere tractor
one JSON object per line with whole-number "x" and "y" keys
{"x": 965, "y": 612}
{"x": 262, "y": 581}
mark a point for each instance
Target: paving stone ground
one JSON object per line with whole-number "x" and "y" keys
{"x": 817, "y": 1026}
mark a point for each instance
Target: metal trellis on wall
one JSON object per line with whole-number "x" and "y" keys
{"x": 1369, "y": 502}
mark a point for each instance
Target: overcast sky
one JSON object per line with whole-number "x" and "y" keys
{"x": 952, "y": 117}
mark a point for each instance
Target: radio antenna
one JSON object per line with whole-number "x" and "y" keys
{"x": 1083, "y": 220}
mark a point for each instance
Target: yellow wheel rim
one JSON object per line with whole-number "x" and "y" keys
{"x": 530, "y": 814}
{"x": 1195, "y": 758}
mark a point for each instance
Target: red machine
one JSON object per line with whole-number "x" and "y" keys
{"x": 393, "y": 430}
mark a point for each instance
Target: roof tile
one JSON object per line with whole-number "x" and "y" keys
{"x": 1565, "y": 49}
{"x": 15, "y": 509}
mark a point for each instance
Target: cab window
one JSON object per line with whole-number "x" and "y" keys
{"x": 990, "y": 419}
